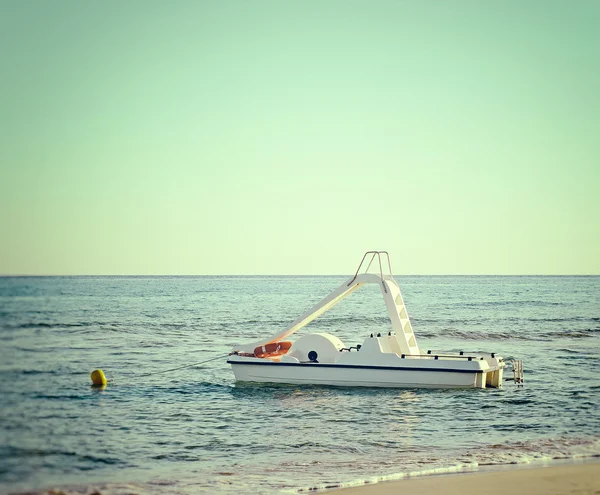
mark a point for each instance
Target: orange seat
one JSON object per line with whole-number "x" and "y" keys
{"x": 272, "y": 349}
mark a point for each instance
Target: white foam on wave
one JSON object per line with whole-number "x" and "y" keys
{"x": 459, "y": 468}
{"x": 583, "y": 449}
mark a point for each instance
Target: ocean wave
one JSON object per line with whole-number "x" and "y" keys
{"x": 515, "y": 303}
{"x": 574, "y": 334}
{"x": 59, "y": 325}
{"x": 482, "y": 319}
{"x": 13, "y": 452}
{"x": 519, "y": 334}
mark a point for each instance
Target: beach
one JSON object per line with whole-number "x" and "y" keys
{"x": 580, "y": 479}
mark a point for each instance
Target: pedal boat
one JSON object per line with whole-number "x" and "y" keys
{"x": 383, "y": 360}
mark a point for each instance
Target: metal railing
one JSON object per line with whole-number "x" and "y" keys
{"x": 444, "y": 356}
{"x": 517, "y": 367}
{"x": 373, "y": 254}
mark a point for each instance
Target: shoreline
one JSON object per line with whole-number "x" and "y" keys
{"x": 560, "y": 477}
{"x": 570, "y": 476}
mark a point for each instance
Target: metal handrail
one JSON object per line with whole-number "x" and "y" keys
{"x": 373, "y": 253}
{"x": 436, "y": 356}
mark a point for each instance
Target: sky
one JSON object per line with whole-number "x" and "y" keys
{"x": 288, "y": 137}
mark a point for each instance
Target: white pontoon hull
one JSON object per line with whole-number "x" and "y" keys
{"x": 362, "y": 376}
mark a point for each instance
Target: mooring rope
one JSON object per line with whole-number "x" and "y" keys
{"x": 187, "y": 365}
{"x": 98, "y": 378}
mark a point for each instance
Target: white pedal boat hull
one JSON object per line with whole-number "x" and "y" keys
{"x": 359, "y": 376}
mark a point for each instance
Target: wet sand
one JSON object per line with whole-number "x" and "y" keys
{"x": 574, "y": 479}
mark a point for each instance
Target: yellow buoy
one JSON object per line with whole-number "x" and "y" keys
{"x": 98, "y": 378}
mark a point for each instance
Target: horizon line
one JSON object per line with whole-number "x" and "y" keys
{"x": 26, "y": 275}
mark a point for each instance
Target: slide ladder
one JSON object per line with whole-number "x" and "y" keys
{"x": 399, "y": 317}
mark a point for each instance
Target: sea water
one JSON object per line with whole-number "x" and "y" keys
{"x": 194, "y": 430}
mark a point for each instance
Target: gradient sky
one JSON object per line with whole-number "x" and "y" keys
{"x": 288, "y": 137}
